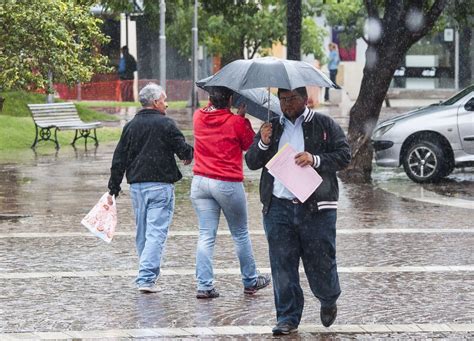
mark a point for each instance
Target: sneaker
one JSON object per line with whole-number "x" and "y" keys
{"x": 213, "y": 293}
{"x": 284, "y": 328}
{"x": 148, "y": 288}
{"x": 262, "y": 282}
{"x": 328, "y": 315}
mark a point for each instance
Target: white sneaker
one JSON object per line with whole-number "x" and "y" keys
{"x": 148, "y": 288}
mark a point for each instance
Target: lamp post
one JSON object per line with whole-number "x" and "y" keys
{"x": 194, "y": 30}
{"x": 162, "y": 45}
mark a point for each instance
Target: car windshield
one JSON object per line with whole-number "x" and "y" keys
{"x": 458, "y": 96}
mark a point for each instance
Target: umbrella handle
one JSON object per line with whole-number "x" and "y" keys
{"x": 268, "y": 112}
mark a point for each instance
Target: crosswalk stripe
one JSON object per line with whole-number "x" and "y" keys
{"x": 224, "y": 232}
{"x": 230, "y": 271}
{"x": 244, "y": 330}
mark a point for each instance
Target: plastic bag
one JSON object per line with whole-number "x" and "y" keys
{"x": 102, "y": 219}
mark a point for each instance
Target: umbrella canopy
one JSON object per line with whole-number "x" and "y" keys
{"x": 269, "y": 72}
{"x": 256, "y": 100}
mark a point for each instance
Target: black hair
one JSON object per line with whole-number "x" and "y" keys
{"x": 219, "y": 96}
{"x": 301, "y": 91}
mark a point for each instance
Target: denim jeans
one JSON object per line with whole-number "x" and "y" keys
{"x": 153, "y": 204}
{"x": 293, "y": 233}
{"x": 209, "y": 197}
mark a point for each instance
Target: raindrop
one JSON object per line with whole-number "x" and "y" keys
{"x": 414, "y": 20}
{"x": 372, "y": 30}
{"x": 371, "y": 58}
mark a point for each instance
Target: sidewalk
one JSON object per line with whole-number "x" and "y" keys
{"x": 406, "y": 270}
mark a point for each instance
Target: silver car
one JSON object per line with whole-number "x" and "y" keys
{"x": 429, "y": 142}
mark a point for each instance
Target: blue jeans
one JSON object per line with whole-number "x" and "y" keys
{"x": 293, "y": 233}
{"x": 209, "y": 197}
{"x": 153, "y": 204}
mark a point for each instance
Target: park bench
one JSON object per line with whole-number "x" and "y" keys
{"x": 51, "y": 117}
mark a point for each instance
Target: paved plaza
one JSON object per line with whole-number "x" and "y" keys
{"x": 405, "y": 256}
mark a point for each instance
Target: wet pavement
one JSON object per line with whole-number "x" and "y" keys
{"x": 405, "y": 256}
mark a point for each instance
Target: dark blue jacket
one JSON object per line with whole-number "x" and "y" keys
{"x": 322, "y": 137}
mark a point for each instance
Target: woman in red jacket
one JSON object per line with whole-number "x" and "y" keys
{"x": 220, "y": 137}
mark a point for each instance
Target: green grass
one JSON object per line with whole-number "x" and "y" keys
{"x": 107, "y": 104}
{"x": 16, "y": 101}
{"x": 91, "y": 104}
{"x": 89, "y": 114}
{"x": 18, "y": 133}
{"x": 177, "y": 104}
{"x": 17, "y": 130}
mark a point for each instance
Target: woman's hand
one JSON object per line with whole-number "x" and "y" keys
{"x": 242, "y": 110}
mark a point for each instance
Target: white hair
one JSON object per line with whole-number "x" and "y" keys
{"x": 150, "y": 93}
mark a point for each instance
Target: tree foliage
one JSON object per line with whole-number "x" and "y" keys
{"x": 232, "y": 28}
{"x": 38, "y": 37}
{"x": 351, "y": 15}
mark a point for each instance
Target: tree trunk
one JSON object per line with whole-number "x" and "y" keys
{"x": 465, "y": 57}
{"x": 1, "y": 103}
{"x": 293, "y": 29}
{"x": 378, "y": 72}
{"x": 366, "y": 111}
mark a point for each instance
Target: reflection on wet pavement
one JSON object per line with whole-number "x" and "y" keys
{"x": 455, "y": 190}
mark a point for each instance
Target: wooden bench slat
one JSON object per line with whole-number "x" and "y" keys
{"x": 56, "y": 118}
{"x": 39, "y": 111}
{"x": 51, "y": 105}
{"x": 53, "y": 112}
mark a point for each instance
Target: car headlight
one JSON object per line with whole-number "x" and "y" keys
{"x": 382, "y": 130}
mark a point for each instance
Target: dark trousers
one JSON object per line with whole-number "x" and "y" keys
{"x": 126, "y": 90}
{"x": 332, "y": 76}
{"x": 293, "y": 233}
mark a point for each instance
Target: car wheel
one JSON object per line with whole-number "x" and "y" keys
{"x": 426, "y": 162}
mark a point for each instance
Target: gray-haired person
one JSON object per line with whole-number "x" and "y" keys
{"x": 145, "y": 154}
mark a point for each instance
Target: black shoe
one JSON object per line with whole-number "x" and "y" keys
{"x": 213, "y": 293}
{"x": 262, "y": 282}
{"x": 328, "y": 315}
{"x": 284, "y": 328}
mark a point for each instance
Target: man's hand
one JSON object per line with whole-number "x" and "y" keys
{"x": 110, "y": 200}
{"x": 266, "y": 132}
{"x": 187, "y": 162}
{"x": 304, "y": 159}
{"x": 242, "y": 110}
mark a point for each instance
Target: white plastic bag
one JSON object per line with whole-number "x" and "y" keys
{"x": 102, "y": 219}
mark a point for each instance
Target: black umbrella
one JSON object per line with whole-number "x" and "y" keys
{"x": 268, "y": 72}
{"x": 256, "y": 100}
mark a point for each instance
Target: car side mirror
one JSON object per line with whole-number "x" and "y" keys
{"x": 469, "y": 106}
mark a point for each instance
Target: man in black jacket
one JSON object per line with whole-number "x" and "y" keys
{"x": 145, "y": 153}
{"x": 297, "y": 230}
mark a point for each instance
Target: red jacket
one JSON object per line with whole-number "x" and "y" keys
{"x": 220, "y": 137}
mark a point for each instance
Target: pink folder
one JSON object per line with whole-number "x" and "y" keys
{"x": 301, "y": 181}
